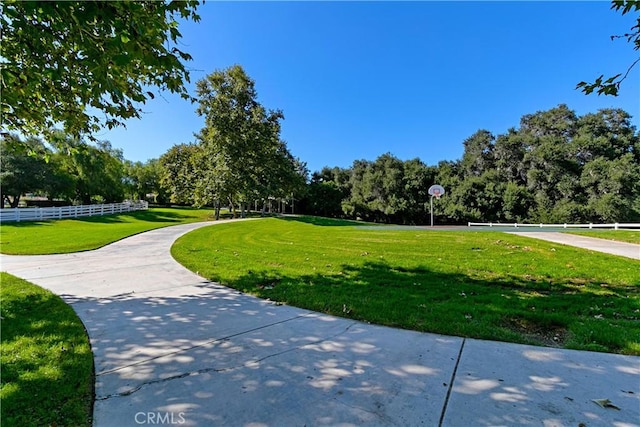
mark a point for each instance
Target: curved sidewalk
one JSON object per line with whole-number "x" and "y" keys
{"x": 173, "y": 348}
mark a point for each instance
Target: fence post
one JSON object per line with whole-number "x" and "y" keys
{"x": 615, "y": 226}
{"x": 590, "y": 226}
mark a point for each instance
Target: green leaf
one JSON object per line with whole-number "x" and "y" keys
{"x": 119, "y": 45}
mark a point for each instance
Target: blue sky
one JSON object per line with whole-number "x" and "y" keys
{"x": 359, "y": 79}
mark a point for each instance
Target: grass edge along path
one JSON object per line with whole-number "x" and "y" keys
{"x": 88, "y": 233}
{"x": 486, "y": 285}
{"x": 627, "y": 236}
{"x": 46, "y": 359}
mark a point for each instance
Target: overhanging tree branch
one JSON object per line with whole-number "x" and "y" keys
{"x": 611, "y": 85}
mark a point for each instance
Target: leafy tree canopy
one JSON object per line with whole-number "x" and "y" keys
{"x": 20, "y": 173}
{"x": 81, "y": 172}
{"x": 63, "y": 63}
{"x": 244, "y": 156}
{"x": 556, "y": 167}
{"x": 611, "y": 85}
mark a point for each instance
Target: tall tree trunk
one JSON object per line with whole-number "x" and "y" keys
{"x": 216, "y": 205}
{"x": 15, "y": 202}
{"x": 233, "y": 208}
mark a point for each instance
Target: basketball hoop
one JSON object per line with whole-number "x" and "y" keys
{"x": 435, "y": 191}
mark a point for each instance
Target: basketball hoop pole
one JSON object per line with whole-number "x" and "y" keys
{"x": 435, "y": 191}
{"x": 432, "y": 210}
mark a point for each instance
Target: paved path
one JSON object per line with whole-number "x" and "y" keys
{"x": 628, "y": 250}
{"x": 172, "y": 348}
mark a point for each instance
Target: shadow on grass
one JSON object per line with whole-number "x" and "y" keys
{"x": 248, "y": 214}
{"x": 322, "y": 221}
{"x": 577, "y": 314}
{"x": 51, "y": 358}
{"x": 27, "y": 224}
{"x": 118, "y": 218}
{"x": 148, "y": 216}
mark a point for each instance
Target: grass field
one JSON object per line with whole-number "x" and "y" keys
{"x": 475, "y": 284}
{"x": 74, "y": 235}
{"x": 629, "y": 236}
{"x": 47, "y": 365}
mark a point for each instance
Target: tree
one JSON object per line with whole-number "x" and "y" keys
{"x": 21, "y": 172}
{"x": 87, "y": 65}
{"x": 97, "y": 171}
{"x": 418, "y": 177}
{"x": 611, "y": 85}
{"x": 478, "y": 154}
{"x": 286, "y": 175}
{"x": 607, "y": 133}
{"x": 516, "y": 202}
{"x": 612, "y": 186}
{"x": 509, "y": 151}
{"x": 85, "y": 173}
{"x": 61, "y": 181}
{"x": 180, "y": 172}
{"x": 324, "y": 198}
{"x": 552, "y": 169}
{"x": 448, "y": 175}
{"x": 143, "y": 179}
{"x": 326, "y": 192}
{"x": 356, "y": 205}
{"x": 243, "y": 157}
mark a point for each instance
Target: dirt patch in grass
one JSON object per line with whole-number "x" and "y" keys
{"x": 546, "y": 335}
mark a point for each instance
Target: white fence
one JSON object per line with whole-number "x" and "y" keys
{"x": 615, "y": 226}
{"x": 39, "y": 214}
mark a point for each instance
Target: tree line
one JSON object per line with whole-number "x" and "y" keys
{"x": 237, "y": 159}
{"x": 556, "y": 167}
{"x": 65, "y": 169}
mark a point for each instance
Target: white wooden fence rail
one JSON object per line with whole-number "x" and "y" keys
{"x": 39, "y": 214}
{"x": 615, "y": 226}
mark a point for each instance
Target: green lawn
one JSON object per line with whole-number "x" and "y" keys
{"x": 475, "y": 284}
{"x": 629, "y": 236}
{"x": 47, "y": 365}
{"x": 74, "y": 235}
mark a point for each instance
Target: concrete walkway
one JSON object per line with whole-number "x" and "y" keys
{"x": 628, "y": 250}
{"x": 171, "y": 348}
